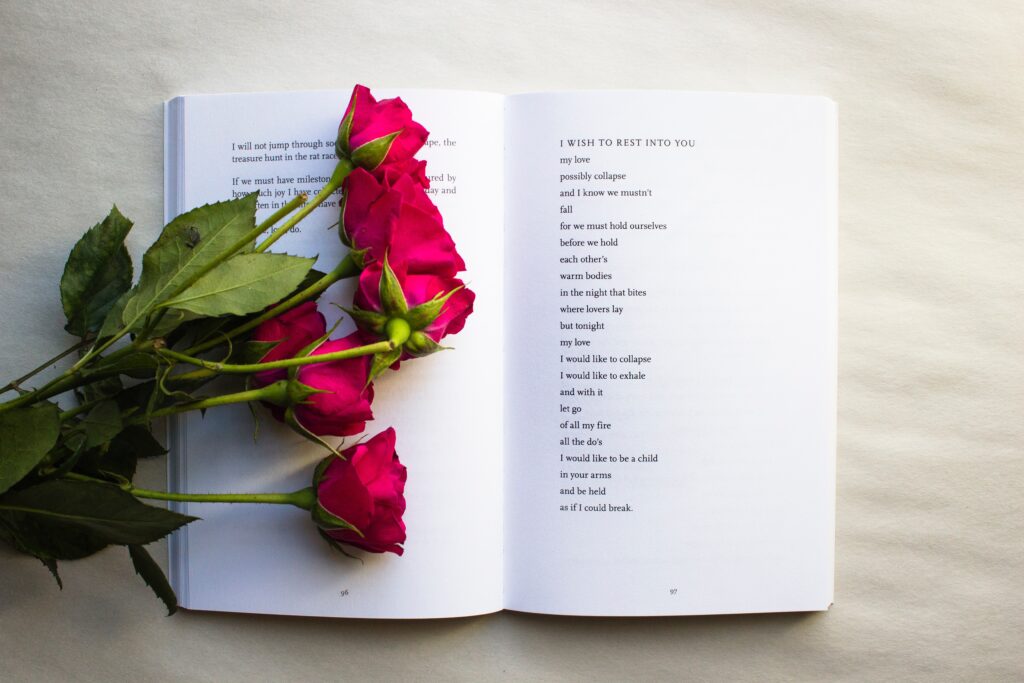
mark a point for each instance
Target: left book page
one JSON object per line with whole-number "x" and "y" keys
{"x": 446, "y": 409}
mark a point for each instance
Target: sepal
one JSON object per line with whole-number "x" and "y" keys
{"x": 383, "y": 361}
{"x": 329, "y": 522}
{"x": 341, "y": 144}
{"x": 298, "y": 428}
{"x": 371, "y": 154}
{"x": 324, "y": 519}
{"x": 287, "y": 393}
{"x": 360, "y": 257}
{"x": 427, "y": 312}
{"x": 392, "y": 298}
{"x": 371, "y": 321}
{"x": 420, "y": 345}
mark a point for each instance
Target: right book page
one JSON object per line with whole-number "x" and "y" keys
{"x": 670, "y": 353}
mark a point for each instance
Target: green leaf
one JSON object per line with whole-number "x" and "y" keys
{"x": 140, "y": 441}
{"x": 154, "y": 577}
{"x": 7, "y": 535}
{"x": 199, "y": 330}
{"x": 188, "y": 244}
{"x": 136, "y": 396}
{"x": 51, "y": 564}
{"x": 202, "y": 329}
{"x": 250, "y": 352}
{"x": 121, "y": 457}
{"x": 112, "y": 322}
{"x": 22, "y": 545}
{"x": 103, "y": 388}
{"x": 98, "y": 271}
{"x": 102, "y": 423}
{"x": 26, "y": 435}
{"x": 138, "y": 364}
{"x": 312, "y": 277}
{"x": 66, "y": 520}
{"x": 119, "y": 463}
{"x": 170, "y": 321}
{"x": 243, "y": 284}
{"x": 69, "y": 452}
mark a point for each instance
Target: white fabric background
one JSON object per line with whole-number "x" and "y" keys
{"x": 931, "y": 431}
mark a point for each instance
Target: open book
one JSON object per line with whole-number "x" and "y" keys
{"x": 639, "y": 417}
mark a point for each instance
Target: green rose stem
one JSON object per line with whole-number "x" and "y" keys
{"x": 341, "y": 172}
{"x": 65, "y": 382}
{"x": 303, "y": 498}
{"x": 85, "y": 407}
{"x": 14, "y": 384}
{"x": 248, "y": 369}
{"x": 273, "y": 393}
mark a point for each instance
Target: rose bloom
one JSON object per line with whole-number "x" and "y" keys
{"x": 398, "y": 220}
{"x": 419, "y": 289}
{"x": 344, "y": 406}
{"x": 414, "y": 169}
{"x": 372, "y": 120}
{"x": 364, "y": 488}
{"x": 294, "y": 330}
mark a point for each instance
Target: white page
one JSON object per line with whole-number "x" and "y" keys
{"x": 737, "y": 260}
{"x": 446, "y": 409}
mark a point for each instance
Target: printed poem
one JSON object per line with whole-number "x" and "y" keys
{"x": 607, "y": 219}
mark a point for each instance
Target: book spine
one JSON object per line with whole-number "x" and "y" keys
{"x": 174, "y": 192}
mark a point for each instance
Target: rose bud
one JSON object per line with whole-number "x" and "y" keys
{"x": 375, "y": 134}
{"x": 411, "y": 310}
{"x": 397, "y": 220}
{"x": 360, "y": 498}
{"x": 293, "y": 331}
{"x": 331, "y": 398}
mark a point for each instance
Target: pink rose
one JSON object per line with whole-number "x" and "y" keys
{"x": 360, "y": 498}
{"x": 398, "y": 220}
{"x": 294, "y": 330}
{"x": 418, "y": 289}
{"x": 343, "y": 406}
{"x": 375, "y": 134}
{"x": 414, "y": 169}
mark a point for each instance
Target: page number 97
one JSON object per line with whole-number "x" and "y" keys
{"x": 673, "y": 591}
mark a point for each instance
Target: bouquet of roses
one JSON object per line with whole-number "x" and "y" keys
{"x": 213, "y": 301}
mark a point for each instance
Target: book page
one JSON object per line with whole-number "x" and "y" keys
{"x": 446, "y": 409}
{"x": 671, "y": 366}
